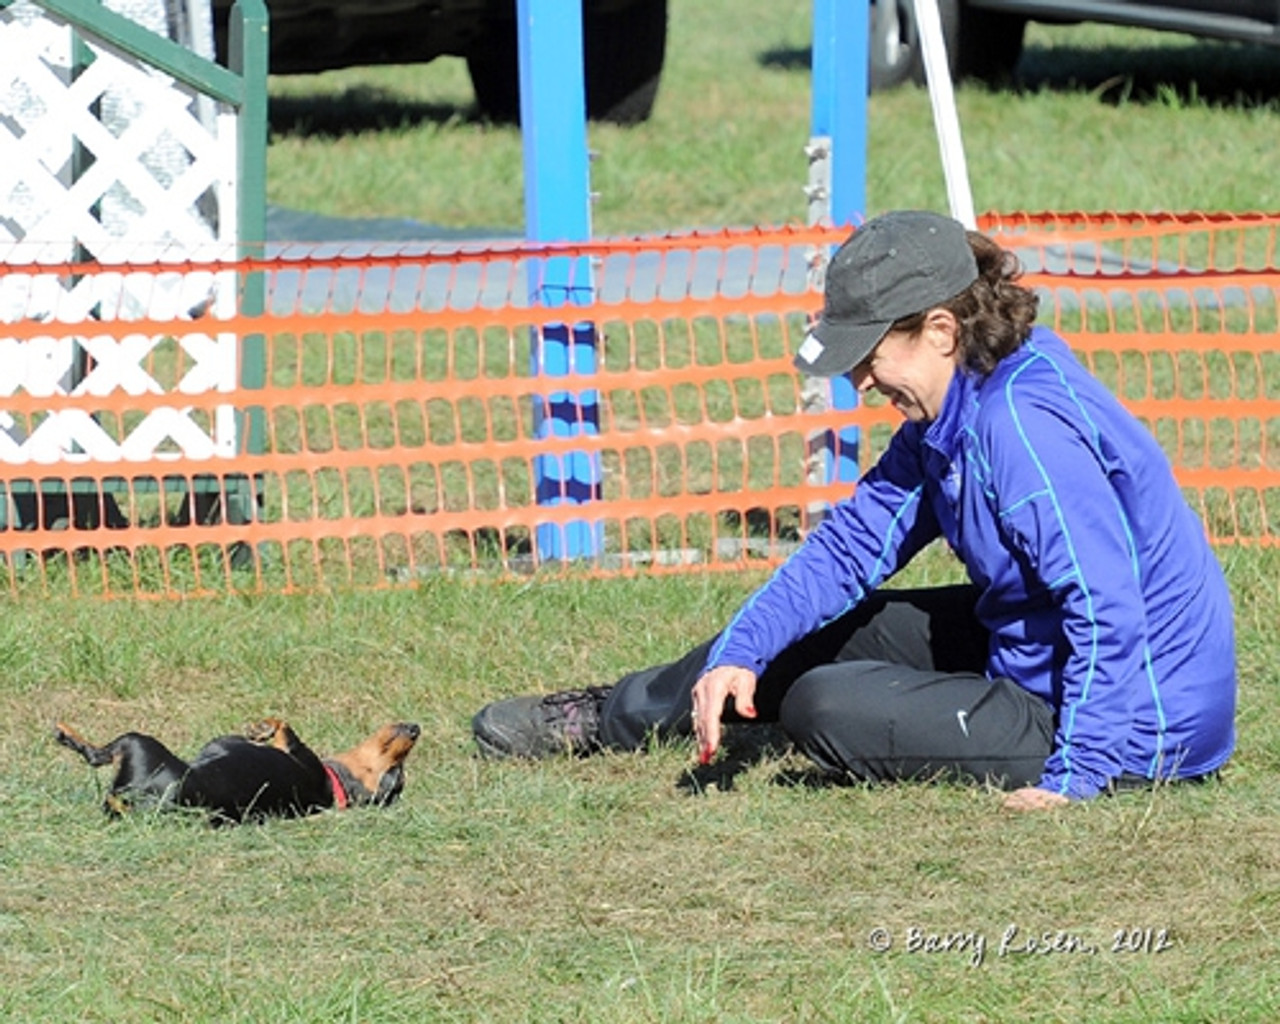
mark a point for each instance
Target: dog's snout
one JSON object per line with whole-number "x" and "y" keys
{"x": 410, "y": 729}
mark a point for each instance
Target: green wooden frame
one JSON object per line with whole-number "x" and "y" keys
{"x": 244, "y": 86}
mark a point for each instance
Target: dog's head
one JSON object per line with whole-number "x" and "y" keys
{"x": 373, "y": 772}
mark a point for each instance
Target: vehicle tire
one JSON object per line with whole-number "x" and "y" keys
{"x": 896, "y": 55}
{"x": 625, "y": 52}
{"x": 623, "y": 57}
{"x": 980, "y": 43}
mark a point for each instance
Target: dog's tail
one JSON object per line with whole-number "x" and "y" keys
{"x": 68, "y": 737}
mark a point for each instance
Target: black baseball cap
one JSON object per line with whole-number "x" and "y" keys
{"x": 894, "y": 266}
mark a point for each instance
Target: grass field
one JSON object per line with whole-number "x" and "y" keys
{"x": 632, "y": 888}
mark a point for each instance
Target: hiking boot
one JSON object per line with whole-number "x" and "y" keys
{"x": 537, "y": 727}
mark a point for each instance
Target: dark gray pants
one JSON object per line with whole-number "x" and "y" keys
{"x": 892, "y": 690}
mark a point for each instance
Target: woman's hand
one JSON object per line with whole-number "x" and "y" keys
{"x": 1033, "y": 798}
{"x": 710, "y": 694}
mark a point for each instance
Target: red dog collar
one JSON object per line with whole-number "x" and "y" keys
{"x": 339, "y": 792}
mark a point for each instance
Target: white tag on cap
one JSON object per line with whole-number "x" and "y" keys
{"x": 811, "y": 349}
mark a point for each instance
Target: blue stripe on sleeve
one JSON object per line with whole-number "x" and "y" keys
{"x": 1068, "y": 727}
{"x": 1148, "y": 666}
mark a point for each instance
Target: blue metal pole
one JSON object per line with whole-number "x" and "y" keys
{"x": 558, "y": 209}
{"x": 841, "y": 70}
{"x": 841, "y": 74}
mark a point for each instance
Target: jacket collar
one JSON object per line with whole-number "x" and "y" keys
{"x": 942, "y": 435}
{"x": 964, "y": 396}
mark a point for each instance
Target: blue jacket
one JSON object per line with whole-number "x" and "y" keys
{"x": 1098, "y": 585}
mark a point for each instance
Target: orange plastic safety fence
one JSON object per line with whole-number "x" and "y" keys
{"x": 396, "y": 414}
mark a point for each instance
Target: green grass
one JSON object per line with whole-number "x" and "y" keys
{"x": 626, "y": 888}
{"x": 618, "y": 889}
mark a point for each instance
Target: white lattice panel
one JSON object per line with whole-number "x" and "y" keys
{"x": 113, "y": 163}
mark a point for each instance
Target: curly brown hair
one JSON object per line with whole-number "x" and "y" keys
{"x": 995, "y": 313}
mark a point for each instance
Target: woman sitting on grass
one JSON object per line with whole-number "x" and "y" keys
{"x": 1093, "y": 648}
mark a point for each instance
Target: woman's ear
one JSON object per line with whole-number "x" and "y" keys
{"x": 943, "y": 330}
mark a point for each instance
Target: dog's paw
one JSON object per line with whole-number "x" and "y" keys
{"x": 270, "y": 731}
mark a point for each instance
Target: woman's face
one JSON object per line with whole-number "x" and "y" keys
{"x": 913, "y": 371}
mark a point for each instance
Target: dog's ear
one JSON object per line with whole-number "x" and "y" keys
{"x": 389, "y": 786}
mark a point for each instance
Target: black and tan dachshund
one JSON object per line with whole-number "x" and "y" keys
{"x": 266, "y": 773}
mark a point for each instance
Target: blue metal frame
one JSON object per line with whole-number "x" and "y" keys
{"x": 558, "y": 209}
